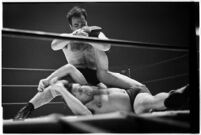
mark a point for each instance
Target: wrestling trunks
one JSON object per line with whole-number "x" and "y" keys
{"x": 90, "y": 75}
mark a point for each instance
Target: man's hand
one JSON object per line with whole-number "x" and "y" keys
{"x": 80, "y": 32}
{"x": 44, "y": 83}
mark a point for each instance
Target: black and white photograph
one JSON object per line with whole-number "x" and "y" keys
{"x": 100, "y": 67}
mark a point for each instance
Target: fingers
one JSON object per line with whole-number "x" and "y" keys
{"x": 40, "y": 88}
{"x": 86, "y": 29}
{"x": 80, "y": 32}
{"x": 42, "y": 85}
{"x": 84, "y": 34}
{"x": 45, "y": 83}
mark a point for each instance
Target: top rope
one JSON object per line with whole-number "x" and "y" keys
{"x": 119, "y": 43}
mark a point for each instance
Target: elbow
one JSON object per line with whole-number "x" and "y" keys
{"x": 54, "y": 45}
{"x": 107, "y": 47}
{"x": 53, "y": 48}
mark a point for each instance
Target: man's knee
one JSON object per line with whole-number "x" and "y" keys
{"x": 142, "y": 104}
{"x": 143, "y": 99}
{"x": 70, "y": 67}
{"x": 70, "y": 71}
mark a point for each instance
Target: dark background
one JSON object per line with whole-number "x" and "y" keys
{"x": 168, "y": 23}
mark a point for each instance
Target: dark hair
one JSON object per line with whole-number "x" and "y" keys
{"x": 76, "y": 12}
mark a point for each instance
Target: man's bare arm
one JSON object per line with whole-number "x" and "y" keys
{"x": 84, "y": 32}
{"x": 59, "y": 73}
{"x": 74, "y": 104}
{"x": 58, "y": 44}
{"x": 101, "y": 46}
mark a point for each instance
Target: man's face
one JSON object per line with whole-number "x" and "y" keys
{"x": 83, "y": 93}
{"x": 78, "y": 22}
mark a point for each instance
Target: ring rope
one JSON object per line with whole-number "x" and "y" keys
{"x": 40, "y": 69}
{"x": 166, "y": 78}
{"x": 118, "y": 43}
{"x": 23, "y": 103}
{"x": 155, "y": 80}
{"x": 27, "y": 69}
{"x": 127, "y": 67}
{"x": 19, "y": 85}
{"x": 160, "y": 62}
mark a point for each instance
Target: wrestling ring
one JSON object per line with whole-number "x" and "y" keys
{"x": 177, "y": 121}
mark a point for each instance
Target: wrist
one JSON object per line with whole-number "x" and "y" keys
{"x": 48, "y": 79}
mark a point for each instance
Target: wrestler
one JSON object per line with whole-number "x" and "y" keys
{"x": 79, "y": 55}
{"x": 46, "y": 95}
{"x": 88, "y": 100}
{"x": 88, "y": 61}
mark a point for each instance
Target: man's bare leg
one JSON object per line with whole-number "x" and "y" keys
{"x": 145, "y": 102}
{"x": 40, "y": 99}
{"x": 117, "y": 79}
{"x": 72, "y": 71}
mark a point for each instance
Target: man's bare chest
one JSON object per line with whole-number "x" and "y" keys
{"x": 77, "y": 46}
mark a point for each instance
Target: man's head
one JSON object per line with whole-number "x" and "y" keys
{"x": 83, "y": 93}
{"x": 77, "y": 18}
